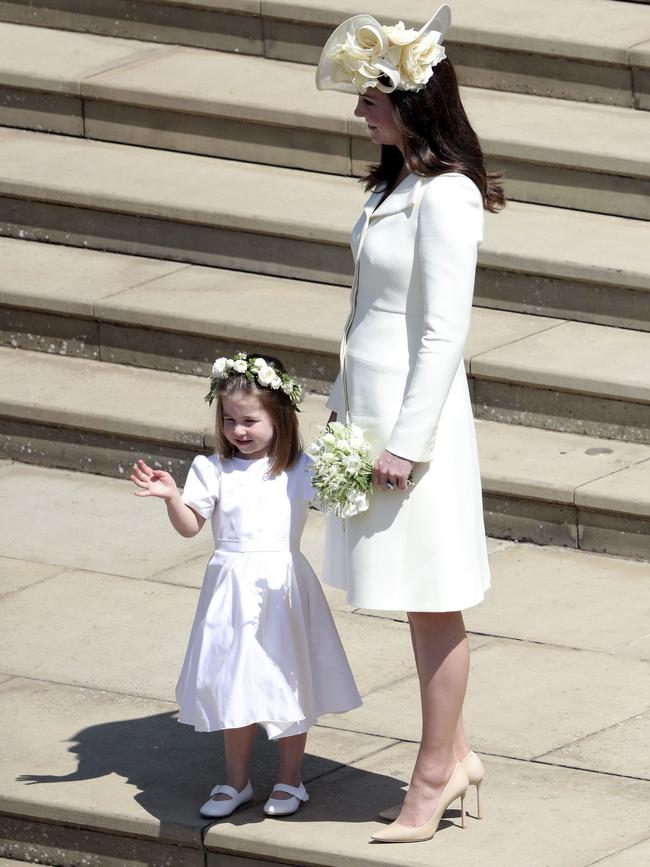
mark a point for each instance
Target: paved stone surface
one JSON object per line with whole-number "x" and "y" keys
{"x": 98, "y": 693}
{"x": 139, "y": 653}
{"x": 92, "y": 523}
{"x": 557, "y": 685}
{"x": 515, "y": 460}
{"x": 236, "y": 305}
{"x": 17, "y": 574}
{"x": 540, "y": 594}
{"x": 510, "y": 23}
{"x": 609, "y": 491}
{"x": 68, "y": 280}
{"x": 576, "y": 355}
{"x": 123, "y": 762}
{"x": 56, "y": 60}
{"x": 621, "y": 749}
{"x": 335, "y": 827}
{"x": 632, "y": 856}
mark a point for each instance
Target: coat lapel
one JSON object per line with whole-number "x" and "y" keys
{"x": 403, "y": 197}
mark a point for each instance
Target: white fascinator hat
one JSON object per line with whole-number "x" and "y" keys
{"x": 363, "y": 53}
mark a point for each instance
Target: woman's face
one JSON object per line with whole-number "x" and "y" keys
{"x": 377, "y": 110}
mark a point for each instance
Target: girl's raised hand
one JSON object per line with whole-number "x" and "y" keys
{"x": 153, "y": 483}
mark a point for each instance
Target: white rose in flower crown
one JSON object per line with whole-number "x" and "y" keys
{"x": 287, "y": 387}
{"x": 259, "y": 362}
{"x": 219, "y": 367}
{"x": 276, "y": 382}
{"x": 266, "y": 375}
{"x": 418, "y": 60}
{"x": 240, "y": 366}
{"x": 229, "y": 363}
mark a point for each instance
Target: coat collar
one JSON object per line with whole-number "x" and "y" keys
{"x": 403, "y": 197}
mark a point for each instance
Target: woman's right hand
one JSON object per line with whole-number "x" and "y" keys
{"x": 153, "y": 483}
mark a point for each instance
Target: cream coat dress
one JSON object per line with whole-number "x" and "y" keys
{"x": 423, "y": 549}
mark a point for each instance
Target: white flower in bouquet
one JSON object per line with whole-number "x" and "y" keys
{"x": 342, "y": 469}
{"x": 352, "y": 464}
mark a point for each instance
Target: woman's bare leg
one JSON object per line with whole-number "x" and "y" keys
{"x": 239, "y": 751}
{"x": 461, "y": 747}
{"x": 442, "y": 660}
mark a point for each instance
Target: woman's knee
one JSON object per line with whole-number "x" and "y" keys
{"x": 433, "y": 618}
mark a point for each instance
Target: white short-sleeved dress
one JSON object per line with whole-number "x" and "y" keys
{"x": 263, "y": 646}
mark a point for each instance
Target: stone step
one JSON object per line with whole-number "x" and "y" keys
{"x": 531, "y": 370}
{"x": 539, "y": 486}
{"x": 601, "y": 53}
{"x": 588, "y": 157}
{"x": 289, "y": 223}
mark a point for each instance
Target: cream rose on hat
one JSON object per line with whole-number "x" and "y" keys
{"x": 363, "y": 53}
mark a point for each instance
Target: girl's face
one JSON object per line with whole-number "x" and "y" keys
{"x": 247, "y": 425}
{"x": 377, "y": 110}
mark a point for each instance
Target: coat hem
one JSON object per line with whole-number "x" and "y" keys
{"x": 402, "y": 604}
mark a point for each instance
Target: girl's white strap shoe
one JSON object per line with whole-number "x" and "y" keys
{"x": 285, "y": 806}
{"x": 218, "y": 809}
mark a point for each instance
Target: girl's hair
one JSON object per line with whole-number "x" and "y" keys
{"x": 438, "y": 138}
{"x": 286, "y": 444}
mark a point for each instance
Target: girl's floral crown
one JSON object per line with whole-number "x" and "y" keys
{"x": 363, "y": 53}
{"x": 255, "y": 370}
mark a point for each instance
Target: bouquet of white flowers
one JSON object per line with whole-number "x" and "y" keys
{"x": 342, "y": 469}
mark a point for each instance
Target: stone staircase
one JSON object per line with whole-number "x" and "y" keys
{"x": 214, "y": 190}
{"x": 172, "y": 187}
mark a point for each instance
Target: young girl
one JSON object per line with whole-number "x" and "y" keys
{"x": 263, "y": 647}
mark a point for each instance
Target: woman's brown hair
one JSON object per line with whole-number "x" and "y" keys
{"x": 438, "y": 138}
{"x": 286, "y": 444}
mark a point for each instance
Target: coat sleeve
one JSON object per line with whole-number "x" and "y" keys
{"x": 335, "y": 402}
{"x": 449, "y": 231}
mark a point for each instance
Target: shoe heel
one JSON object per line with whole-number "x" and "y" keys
{"x": 478, "y": 798}
{"x": 462, "y": 809}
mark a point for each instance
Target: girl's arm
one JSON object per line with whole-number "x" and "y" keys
{"x": 158, "y": 483}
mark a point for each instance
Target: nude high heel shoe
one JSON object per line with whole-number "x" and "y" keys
{"x": 475, "y": 770}
{"x": 456, "y": 787}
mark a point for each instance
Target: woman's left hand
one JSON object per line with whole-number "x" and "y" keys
{"x": 391, "y": 470}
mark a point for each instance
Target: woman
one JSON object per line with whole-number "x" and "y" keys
{"x": 421, "y": 547}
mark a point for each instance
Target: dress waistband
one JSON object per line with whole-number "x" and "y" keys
{"x": 249, "y": 546}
